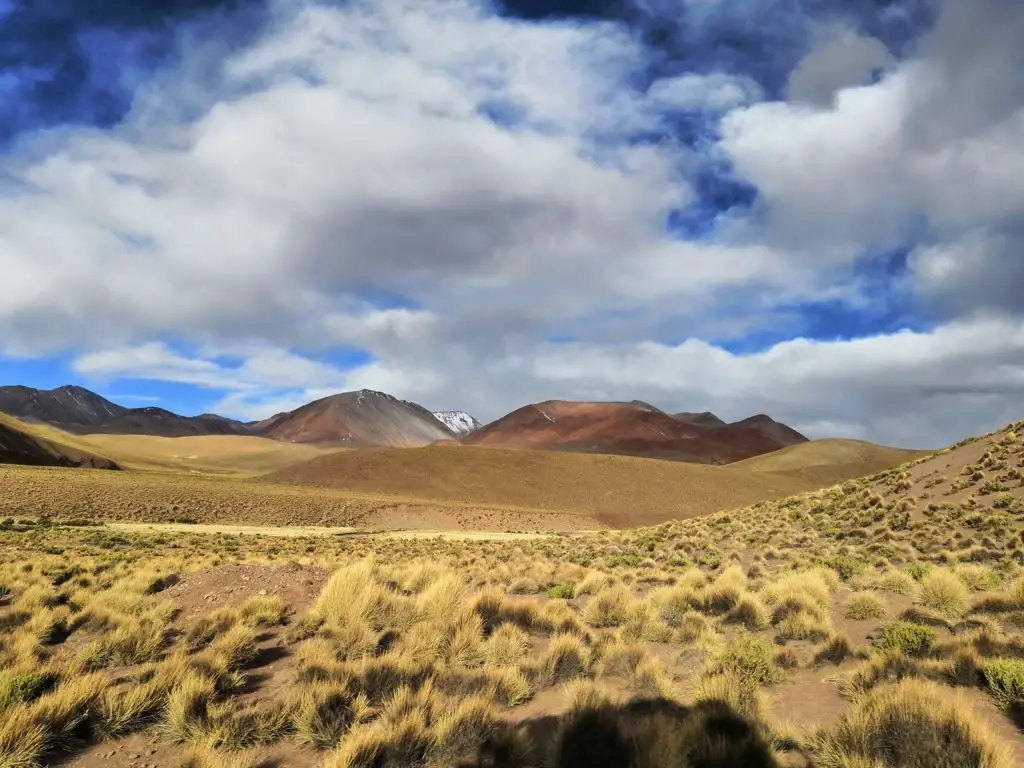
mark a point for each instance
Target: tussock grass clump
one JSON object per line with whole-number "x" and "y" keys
{"x": 262, "y": 611}
{"x": 566, "y": 658}
{"x": 208, "y": 627}
{"x": 187, "y": 712}
{"x": 942, "y": 592}
{"x": 131, "y": 643}
{"x": 610, "y": 607}
{"x": 911, "y": 724}
{"x": 835, "y": 650}
{"x": 323, "y": 713}
{"x": 495, "y": 609}
{"x": 977, "y": 578}
{"x": 53, "y": 721}
{"x": 460, "y": 732}
{"x": 507, "y": 646}
{"x": 740, "y": 693}
{"x": 750, "y": 612}
{"x": 385, "y": 745}
{"x": 865, "y": 605}
{"x": 805, "y": 592}
{"x": 234, "y": 650}
{"x": 723, "y": 594}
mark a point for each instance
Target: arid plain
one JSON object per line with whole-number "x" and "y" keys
{"x": 228, "y": 601}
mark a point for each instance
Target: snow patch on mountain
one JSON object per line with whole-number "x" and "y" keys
{"x": 459, "y": 422}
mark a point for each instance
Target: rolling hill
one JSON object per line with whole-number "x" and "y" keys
{"x": 361, "y": 418}
{"x": 831, "y": 460}
{"x": 633, "y": 429}
{"x": 18, "y": 445}
{"x": 618, "y": 491}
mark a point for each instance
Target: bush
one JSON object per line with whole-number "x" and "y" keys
{"x": 749, "y": 657}
{"x": 562, "y": 592}
{"x": 907, "y": 638}
{"x": 1005, "y": 680}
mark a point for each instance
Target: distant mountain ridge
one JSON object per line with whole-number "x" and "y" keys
{"x": 366, "y": 418}
{"x": 80, "y": 411}
{"x": 634, "y": 428}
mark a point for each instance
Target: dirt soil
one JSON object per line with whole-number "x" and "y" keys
{"x": 202, "y": 592}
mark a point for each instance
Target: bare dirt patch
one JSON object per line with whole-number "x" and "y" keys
{"x": 201, "y": 592}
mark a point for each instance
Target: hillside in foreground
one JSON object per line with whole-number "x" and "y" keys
{"x": 876, "y": 623}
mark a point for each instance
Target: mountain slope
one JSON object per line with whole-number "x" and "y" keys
{"x": 163, "y": 423}
{"x": 363, "y": 418}
{"x": 459, "y": 422}
{"x": 704, "y": 419}
{"x": 71, "y": 406}
{"x": 18, "y": 445}
{"x": 79, "y": 411}
{"x": 771, "y": 428}
{"x": 629, "y": 429}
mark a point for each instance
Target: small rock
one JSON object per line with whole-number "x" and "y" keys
{"x": 262, "y": 592}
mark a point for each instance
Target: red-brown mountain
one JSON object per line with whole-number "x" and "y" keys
{"x": 632, "y": 429}
{"x": 363, "y": 418}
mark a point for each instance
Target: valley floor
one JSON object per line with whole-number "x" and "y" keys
{"x": 875, "y": 623}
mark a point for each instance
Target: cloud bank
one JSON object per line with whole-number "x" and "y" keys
{"x": 473, "y": 210}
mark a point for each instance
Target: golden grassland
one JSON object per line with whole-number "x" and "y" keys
{"x": 619, "y": 491}
{"x": 160, "y": 497}
{"x": 843, "y": 457}
{"x": 875, "y": 623}
{"x": 237, "y": 455}
{"x": 434, "y": 488}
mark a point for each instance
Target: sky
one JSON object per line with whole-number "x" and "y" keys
{"x": 808, "y": 209}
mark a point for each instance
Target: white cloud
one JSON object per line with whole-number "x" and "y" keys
{"x": 716, "y": 91}
{"x": 934, "y": 150}
{"x": 478, "y": 172}
{"x": 906, "y": 388}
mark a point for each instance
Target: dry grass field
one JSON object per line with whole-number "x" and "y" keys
{"x": 439, "y": 487}
{"x": 618, "y": 491}
{"x": 234, "y": 455}
{"x": 877, "y": 623}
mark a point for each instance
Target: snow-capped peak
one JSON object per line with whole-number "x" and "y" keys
{"x": 459, "y": 422}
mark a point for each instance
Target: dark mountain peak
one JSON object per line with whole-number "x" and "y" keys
{"x": 69, "y": 405}
{"x": 768, "y": 426}
{"x": 701, "y": 419}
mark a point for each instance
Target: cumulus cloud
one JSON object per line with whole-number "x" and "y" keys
{"x": 839, "y": 59}
{"x": 930, "y": 152}
{"x": 448, "y": 189}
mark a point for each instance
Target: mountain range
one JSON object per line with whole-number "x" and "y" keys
{"x": 367, "y": 418}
